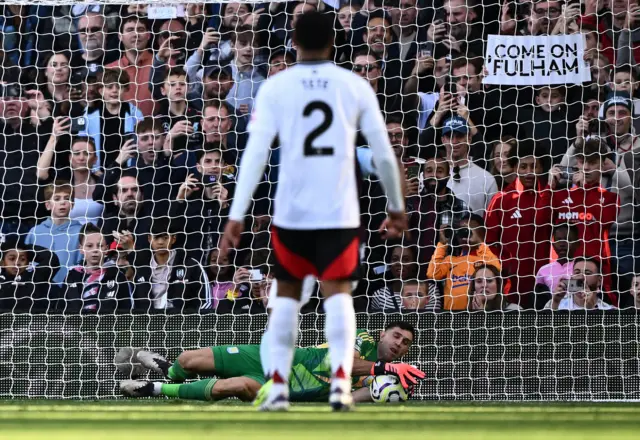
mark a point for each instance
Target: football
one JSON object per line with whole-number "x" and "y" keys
{"x": 387, "y": 389}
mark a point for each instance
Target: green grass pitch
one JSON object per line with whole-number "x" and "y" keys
{"x": 160, "y": 420}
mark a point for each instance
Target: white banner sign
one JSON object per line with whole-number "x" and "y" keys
{"x": 535, "y": 61}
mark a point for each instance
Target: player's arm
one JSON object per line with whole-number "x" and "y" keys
{"x": 386, "y": 165}
{"x": 262, "y": 130}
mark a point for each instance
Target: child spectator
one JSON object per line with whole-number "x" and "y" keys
{"x": 58, "y": 233}
{"x": 114, "y": 119}
{"x": 419, "y": 296}
{"x": 24, "y": 283}
{"x": 180, "y": 121}
{"x": 453, "y": 261}
{"x": 565, "y": 244}
{"x": 633, "y": 299}
{"x": 403, "y": 267}
{"x": 166, "y": 279}
{"x": 486, "y": 290}
{"x": 97, "y": 286}
{"x": 221, "y": 276}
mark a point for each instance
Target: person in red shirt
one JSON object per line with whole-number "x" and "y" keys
{"x": 590, "y": 206}
{"x": 512, "y": 232}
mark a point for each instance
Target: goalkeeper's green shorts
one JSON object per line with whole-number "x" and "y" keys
{"x": 238, "y": 361}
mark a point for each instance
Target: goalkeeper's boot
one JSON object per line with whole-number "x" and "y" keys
{"x": 268, "y": 401}
{"x": 137, "y": 388}
{"x": 341, "y": 400}
{"x": 154, "y": 362}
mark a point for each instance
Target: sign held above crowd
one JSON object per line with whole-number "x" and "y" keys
{"x": 535, "y": 61}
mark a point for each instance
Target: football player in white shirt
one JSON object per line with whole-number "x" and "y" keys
{"x": 315, "y": 109}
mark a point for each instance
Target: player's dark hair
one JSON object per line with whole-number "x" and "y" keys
{"x": 593, "y": 260}
{"x": 87, "y": 229}
{"x": 314, "y": 31}
{"x": 402, "y": 325}
{"x": 209, "y": 147}
{"x": 572, "y": 230}
{"x": 594, "y": 150}
{"x": 520, "y": 150}
{"x": 136, "y": 19}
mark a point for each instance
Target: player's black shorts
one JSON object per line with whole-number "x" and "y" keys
{"x": 328, "y": 254}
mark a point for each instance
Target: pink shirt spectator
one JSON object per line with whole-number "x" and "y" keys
{"x": 221, "y": 291}
{"x": 551, "y": 274}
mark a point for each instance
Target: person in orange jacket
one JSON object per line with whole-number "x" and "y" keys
{"x": 460, "y": 247}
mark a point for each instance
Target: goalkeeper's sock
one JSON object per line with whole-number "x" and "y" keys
{"x": 178, "y": 374}
{"x": 198, "y": 390}
{"x": 282, "y": 331}
{"x": 340, "y": 331}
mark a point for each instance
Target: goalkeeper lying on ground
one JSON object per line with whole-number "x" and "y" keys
{"x": 240, "y": 374}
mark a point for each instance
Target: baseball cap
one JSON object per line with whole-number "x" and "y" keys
{"x": 618, "y": 98}
{"x": 455, "y": 123}
{"x": 216, "y": 68}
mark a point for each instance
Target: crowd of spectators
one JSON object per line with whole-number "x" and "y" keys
{"x": 122, "y": 133}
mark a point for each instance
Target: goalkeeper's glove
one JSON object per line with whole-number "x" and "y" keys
{"x": 404, "y": 372}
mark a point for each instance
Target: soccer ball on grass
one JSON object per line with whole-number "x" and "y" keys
{"x": 387, "y": 389}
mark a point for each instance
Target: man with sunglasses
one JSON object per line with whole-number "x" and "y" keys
{"x": 91, "y": 34}
{"x": 469, "y": 182}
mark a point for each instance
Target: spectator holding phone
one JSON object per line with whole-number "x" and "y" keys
{"x": 80, "y": 173}
{"x": 583, "y": 291}
{"x": 203, "y": 201}
{"x": 114, "y": 119}
{"x": 252, "y": 284}
{"x": 181, "y": 122}
{"x": 565, "y": 245}
{"x": 20, "y": 147}
{"x": 147, "y": 154}
{"x": 486, "y": 290}
{"x": 460, "y": 247}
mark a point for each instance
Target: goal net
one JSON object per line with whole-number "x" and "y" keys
{"x": 123, "y": 126}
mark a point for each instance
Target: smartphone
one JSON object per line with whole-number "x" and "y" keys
{"x": 78, "y": 124}
{"x": 450, "y": 87}
{"x": 575, "y": 285}
{"x": 10, "y": 91}
{"x": 256, "y": 275}
{"x": 413, "y": 170}
{"x": 130, "y": 137}
{"x": 566, "y": 175}
{"x": 425, "y": 49}
{"x": 209, "y": 180}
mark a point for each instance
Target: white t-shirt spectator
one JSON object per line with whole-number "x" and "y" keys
{"x": 476, "y": 187}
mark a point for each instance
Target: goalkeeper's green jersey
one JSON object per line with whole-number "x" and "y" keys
{"x": 311, "y": 372}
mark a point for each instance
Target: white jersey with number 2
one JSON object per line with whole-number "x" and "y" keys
{"x": 315, "y": 110}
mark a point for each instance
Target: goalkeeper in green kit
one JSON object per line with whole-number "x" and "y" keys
{"x": 239, "y": 372}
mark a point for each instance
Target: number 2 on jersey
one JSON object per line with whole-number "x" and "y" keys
{"x": 309, "y": 149}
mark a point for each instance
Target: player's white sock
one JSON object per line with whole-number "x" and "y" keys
{"x": 265, "y": 354}
{"x": 282, "y": 331}
{"x": 340, "y": 330}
